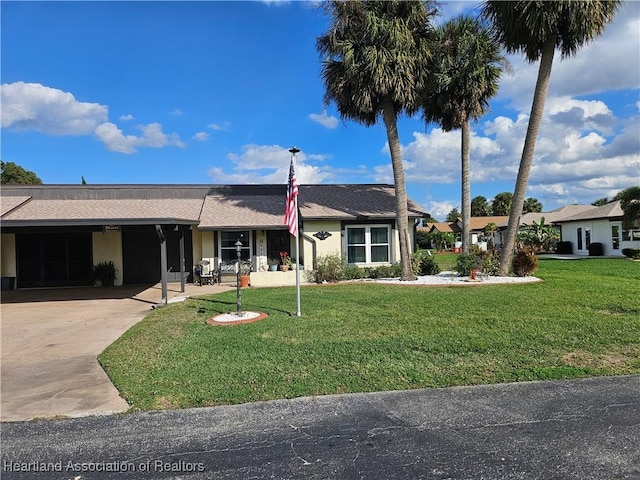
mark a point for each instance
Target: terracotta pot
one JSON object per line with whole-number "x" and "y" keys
{"x": 244, "y": 280}
{"x": 284, "y": 268}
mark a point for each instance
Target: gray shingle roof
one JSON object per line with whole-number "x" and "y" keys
{"x": 230, "y": 206}
{"x": 350, "y": 202}
{"x": 610, "y": 210}
{"x": 9, "y": 203}
{"x": 236, "y": 211}
{"x": 111, "y": 211}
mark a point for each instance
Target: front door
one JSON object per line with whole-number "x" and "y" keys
{"x": 278, "y": 241}
{"x": 583, "y": 238}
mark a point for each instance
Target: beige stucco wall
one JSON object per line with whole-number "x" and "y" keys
{"x": 8, "y": 254}
{"x": 203, "y": 248}
{"x": 330, "y": 245}
{"x": 108, "y": 247}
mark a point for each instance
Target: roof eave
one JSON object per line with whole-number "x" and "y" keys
{"x": 98, "y": 222}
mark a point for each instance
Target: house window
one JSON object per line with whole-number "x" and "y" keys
{"x": 615, "y": 237}
{"x": 368, "y": 244}
{"x": 228, "y": 246}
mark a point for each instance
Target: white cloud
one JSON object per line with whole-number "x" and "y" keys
{"x": 440, "y": 210}
{"x": 32, "y": 106}
{"x": 582, "y": 152}
{"x": 152, "y": 137}
{"x": 327, "y": 121}
{"x": 268, "y": 164}
{"x": 126, "y": 118}
{"x": 611, "y": 62}
{"x": 177, "y": 112}
{"x": 218, "y": 126}
{"x": 201, "y": 136}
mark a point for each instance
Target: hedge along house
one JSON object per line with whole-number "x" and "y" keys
{"x": 52, "y": 235}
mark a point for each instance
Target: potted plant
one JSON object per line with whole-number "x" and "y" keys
{"x": 245, "y": 273}
{"x": 273, "y": 264}
{"x": 105, "y": 273}
{"x": 285, "y": 261}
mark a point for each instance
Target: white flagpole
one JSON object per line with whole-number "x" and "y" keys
{"x": 293, "y": 151}
{"x": 298, "y": 313}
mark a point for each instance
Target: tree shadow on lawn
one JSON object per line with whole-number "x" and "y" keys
{"x": 220, "y": 307}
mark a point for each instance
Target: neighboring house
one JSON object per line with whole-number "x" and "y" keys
{"x": 443, "y": 227}
{"x": 52, "y": 235}
{"x": 477, "y": 227}
{"x": 579, "y": 224}
{"x": 597, "y": 224}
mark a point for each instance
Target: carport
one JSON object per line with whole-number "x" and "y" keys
{"x": 52, "y": 235}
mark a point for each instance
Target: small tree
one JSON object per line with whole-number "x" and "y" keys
{"x": 453, "y": 215}
{"x": 15, "y": 174}
{"x": 630, "y": 204}
{"x": 538, "y": 236}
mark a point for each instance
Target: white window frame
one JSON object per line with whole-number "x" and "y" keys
{"x": 367, "y": 242}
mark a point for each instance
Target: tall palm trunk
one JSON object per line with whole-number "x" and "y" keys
{"x": 535, "y": 119}
{"x": 402, "y": 213}
{"x": 466, "y": 186}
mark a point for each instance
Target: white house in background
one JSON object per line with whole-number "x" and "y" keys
{"x": 597, "y": 224}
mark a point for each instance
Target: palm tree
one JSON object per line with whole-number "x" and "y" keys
{"x": 531, "y": 205}
{"x": 467, "y": 67}
{"x": 502, "y": 203}
{"x": 630, "y": 204}
{"x": 377, "y": 55}
{"x": 480, "y": 207}
{"x": 536, "y": 28}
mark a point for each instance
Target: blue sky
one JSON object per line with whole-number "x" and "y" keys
{"x": 217, "y": 92}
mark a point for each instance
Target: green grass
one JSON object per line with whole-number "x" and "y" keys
{"x": 583, "y": 320}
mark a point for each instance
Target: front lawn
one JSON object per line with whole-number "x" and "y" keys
{"x": 583, "y": 320}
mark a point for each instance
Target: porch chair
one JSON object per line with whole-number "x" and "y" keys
{"x": 206, "y": 276}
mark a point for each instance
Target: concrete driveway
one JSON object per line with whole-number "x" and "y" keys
{"x": 50, "y": 342}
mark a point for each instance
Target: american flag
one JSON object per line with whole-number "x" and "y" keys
{"x": 291, "y": 211}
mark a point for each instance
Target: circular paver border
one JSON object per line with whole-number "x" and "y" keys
{"x": 235, "y": 319}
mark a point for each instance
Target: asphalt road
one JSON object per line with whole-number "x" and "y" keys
{"x": 584, "y": 429}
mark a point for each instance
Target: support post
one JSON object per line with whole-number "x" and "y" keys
{"x": 163, "y": 262}
{"x": 182, "y": 261}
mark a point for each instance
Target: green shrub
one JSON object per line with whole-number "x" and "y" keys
{"x": 386, "y": 271}
{"x": 423, "y": 239}
{"x": 353, "y": 272}
{"x": 424, "y": 264}
{"x": 525, "y": 262}
{"x": 328, "y": 268}
{"x": 105, "y": 273}
{"x": 490, "y": 263}
{"x": 465, "y": 263}
{"x": 631, "y": 253}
